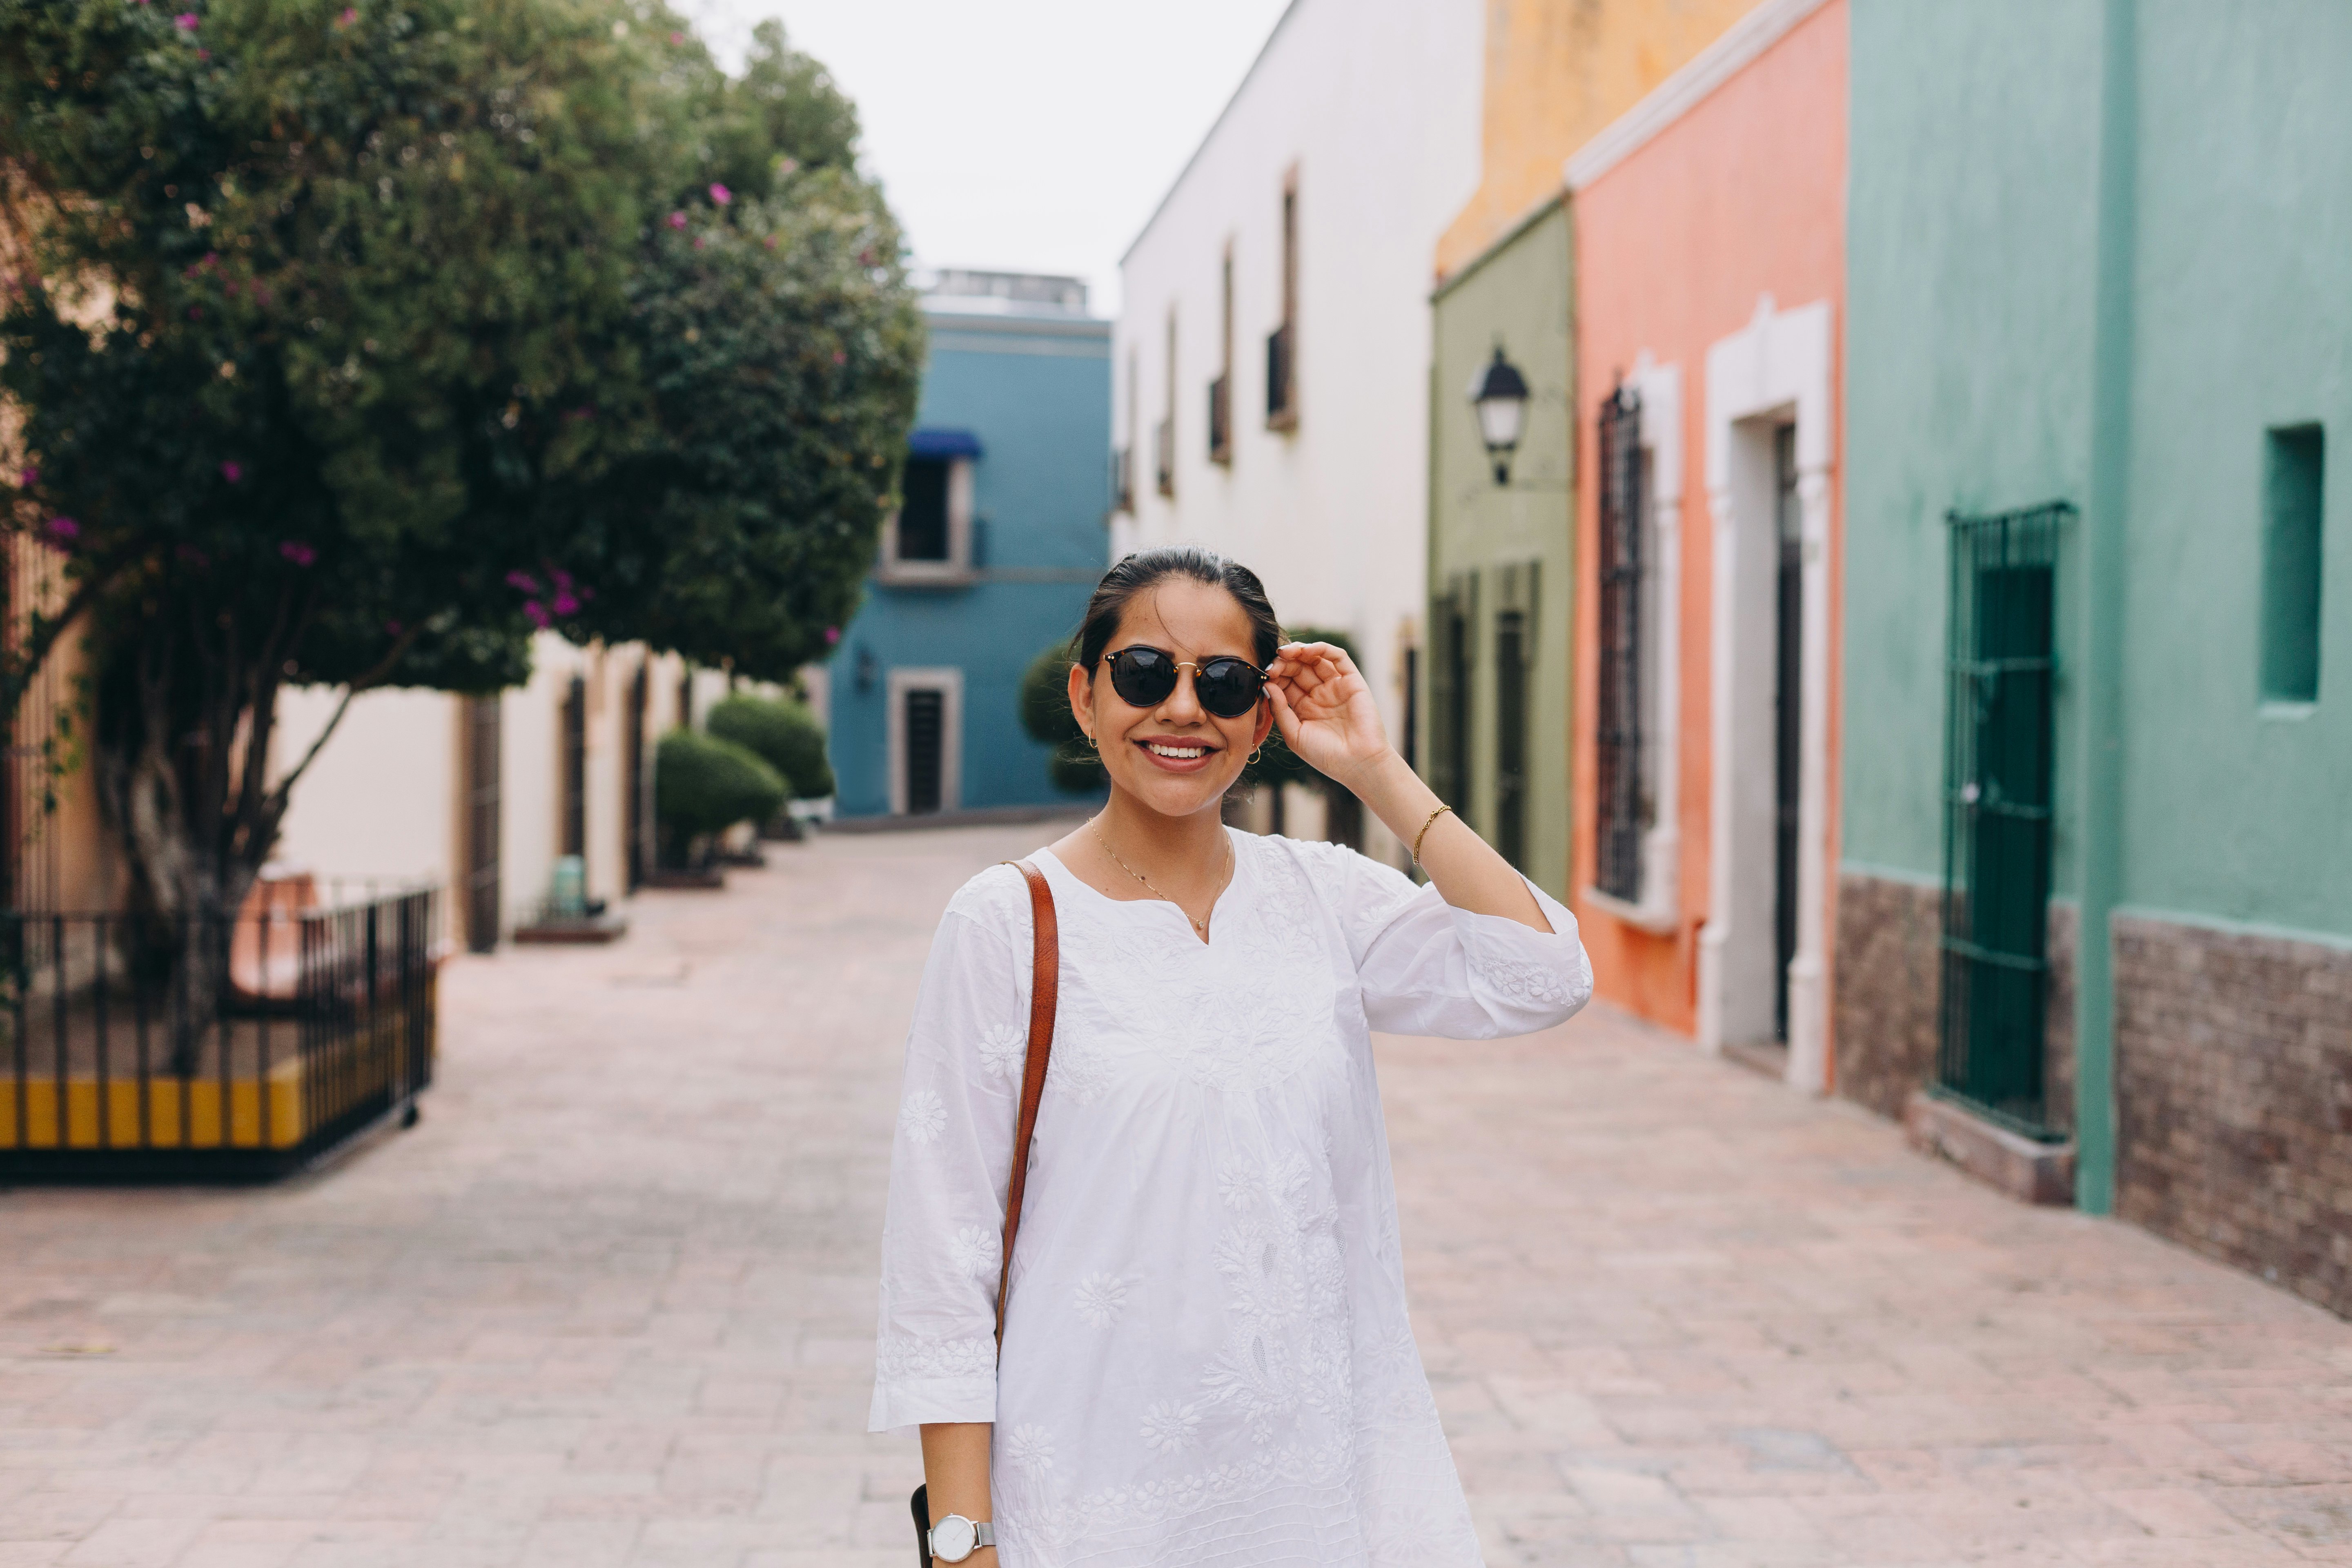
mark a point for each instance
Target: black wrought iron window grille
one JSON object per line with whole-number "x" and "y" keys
{"x": 1998, "y": 746}
{"x": 1622, "y": 808}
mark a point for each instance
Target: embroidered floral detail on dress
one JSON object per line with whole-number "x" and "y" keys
{"x": 1100, "y": 1297}
{"x": 1029, "y": 1448}
{"x": 1531, "y": 984}
{"x": 899, "y": 1356}
{"x": 977, "y": 1250}
{"x": 1005, "y": 1051}
{"x": 1170, "y": 1428}
{"x": 923, "y": 1117}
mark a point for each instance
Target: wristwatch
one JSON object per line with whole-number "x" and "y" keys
{"x": 955, "y": 1537}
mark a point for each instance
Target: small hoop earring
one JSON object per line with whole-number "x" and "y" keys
{"x": 1092, "y": 745}
{"x": 1255, "y": 755}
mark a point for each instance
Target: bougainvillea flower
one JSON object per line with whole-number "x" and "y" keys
{"x": 351, "y": 15}
{"x": 297, "y": 551}
{"x": 720, "y": 194}
{"x": 565, "y": 605}
{"x": 831, "y": 635}
{"x": 678, "y": 220}
{"x": 231, "y": 471}
{"x": 523, "y": 581}
{"x": 29, "y": 477}
{"x": 536, "y": 612}
{"x": 185, "y": 21}
{"x": 63, "y": 530}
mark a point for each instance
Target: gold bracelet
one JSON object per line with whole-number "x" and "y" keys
{"x": 1425, "y": 827}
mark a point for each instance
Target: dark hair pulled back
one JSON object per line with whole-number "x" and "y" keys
{"x": 1134, "y": 573}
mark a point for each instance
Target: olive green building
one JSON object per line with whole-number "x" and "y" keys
{"x": 1493, "y": 668}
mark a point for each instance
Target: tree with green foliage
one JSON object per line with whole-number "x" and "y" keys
{"x": 1072, "y": 765}
{"x": 785, "y": 735}
{"x": 704, "y": 785}
{"x": 354, "y": 344}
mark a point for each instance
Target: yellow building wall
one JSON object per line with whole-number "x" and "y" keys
{"x": 1557, "y": 72}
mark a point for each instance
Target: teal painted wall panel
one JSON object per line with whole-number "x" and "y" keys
{"x": 1971, "y": 279}
{"x": 2244, "y": 322}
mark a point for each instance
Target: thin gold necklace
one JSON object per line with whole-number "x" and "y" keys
{"x": 1201, "y": 926}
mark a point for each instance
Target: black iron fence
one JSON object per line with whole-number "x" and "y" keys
{"x": 135, "y": 1048}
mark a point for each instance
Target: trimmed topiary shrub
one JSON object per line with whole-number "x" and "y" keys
{"x": 1045, "y": 714}
{"x": 785, "y": 735}
{"x": 703, "y": 785}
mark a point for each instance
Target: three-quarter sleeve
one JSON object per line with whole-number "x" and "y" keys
{"x": 935, "y": 1355}
{"x": 1427, "y": 968}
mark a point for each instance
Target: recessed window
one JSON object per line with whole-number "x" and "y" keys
{"x": 2291, "y": 486}
{"x": 923, "y": 520}
{"x": 929, "y": 538}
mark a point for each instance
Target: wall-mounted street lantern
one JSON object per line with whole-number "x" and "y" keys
{"x": 1499, "y": 394}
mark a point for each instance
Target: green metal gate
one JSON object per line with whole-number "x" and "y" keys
{"x": 1996, "y": 812}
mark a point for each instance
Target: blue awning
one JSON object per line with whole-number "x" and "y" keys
{"x": 943, "y": 444}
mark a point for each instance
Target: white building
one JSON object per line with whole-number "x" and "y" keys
{"x": 1271, "y": 360}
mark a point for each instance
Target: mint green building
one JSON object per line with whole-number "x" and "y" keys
{"x": 1494, "y": 669}
{"x": 2096, "y": 795}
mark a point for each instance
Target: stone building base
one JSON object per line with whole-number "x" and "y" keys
{"x": 2233, "y": 1098}
{"x": 1889, "y": 985}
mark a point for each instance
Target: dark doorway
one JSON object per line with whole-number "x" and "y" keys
{"x": 633, "y": 834}
{"x": 575, "y": 767}
{"x": 482, "y": 735}
{"x": 1996, "y": 823}
{"x": 923, "y": 512}
{"x": 1788, "y": 716}
{"x": 1511, "y": 736}
{"x": 925, "y": 742}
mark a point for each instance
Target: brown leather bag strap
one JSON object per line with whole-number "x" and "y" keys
{"x": 1044, "y": 986}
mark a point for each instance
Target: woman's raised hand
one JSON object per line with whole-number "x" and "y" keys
{"x": 1325, "y": 710}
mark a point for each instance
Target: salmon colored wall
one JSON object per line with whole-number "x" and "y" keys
{"x": 1744, "y": 196}
{"x": 1557, "y": 72}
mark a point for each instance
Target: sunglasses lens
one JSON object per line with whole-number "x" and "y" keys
{"x": 1228, "y": 687}
{"x": 1143, "y": 676}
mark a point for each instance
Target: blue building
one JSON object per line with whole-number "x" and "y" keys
{"x": 991, "y": 558}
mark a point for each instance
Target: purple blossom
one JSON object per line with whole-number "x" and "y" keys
{"x": 63, "y": 532}
{"x": 297, "y": 551}
{"x": 563, "y": 580}
{"x": 231, "y": 471}
{"x": 720, "y": 194}
{"x": 698, "y": 242}
{"x": 831, "y": 635}
{"x": 536, "y": 612}
{"x": 523, "y": 581}
{"x": 678, "y": 220}
{"x": 185, "y": 21}
{"x": 351, "y": 15}
{"x": 29, "y": 477}
{"x": 565, "y": 605}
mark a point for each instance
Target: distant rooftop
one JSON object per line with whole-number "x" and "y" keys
{"x": 967, "y": 289}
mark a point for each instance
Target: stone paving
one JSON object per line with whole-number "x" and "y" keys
{"x": 612, "y": 1302}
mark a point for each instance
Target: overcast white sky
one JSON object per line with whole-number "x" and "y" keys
{"x": 1031, "y": 135}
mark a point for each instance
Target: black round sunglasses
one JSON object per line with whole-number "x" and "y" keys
{"x": 1146, "y": 677}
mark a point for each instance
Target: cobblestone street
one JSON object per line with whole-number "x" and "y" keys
{"x": 612, "y": 1302}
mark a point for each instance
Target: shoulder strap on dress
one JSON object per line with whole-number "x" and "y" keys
{"x": 1044, "y": 985}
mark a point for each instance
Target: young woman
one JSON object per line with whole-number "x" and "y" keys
{"x": 1206, "y": 1359}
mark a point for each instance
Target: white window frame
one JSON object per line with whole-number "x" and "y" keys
{"x": 948, "y": 680}
{"x": 957, "y": 568}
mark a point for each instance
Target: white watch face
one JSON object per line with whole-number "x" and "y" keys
{"x": 953, "y": 1539}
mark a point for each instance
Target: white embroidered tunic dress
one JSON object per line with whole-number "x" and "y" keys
{"x": 1206, "y": 1360}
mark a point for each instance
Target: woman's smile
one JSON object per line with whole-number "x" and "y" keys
{"x": 1178, "y": 753}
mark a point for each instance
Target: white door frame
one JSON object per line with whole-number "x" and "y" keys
{"x": 948, "y": 680}
{"x": 1776, "y": 370}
